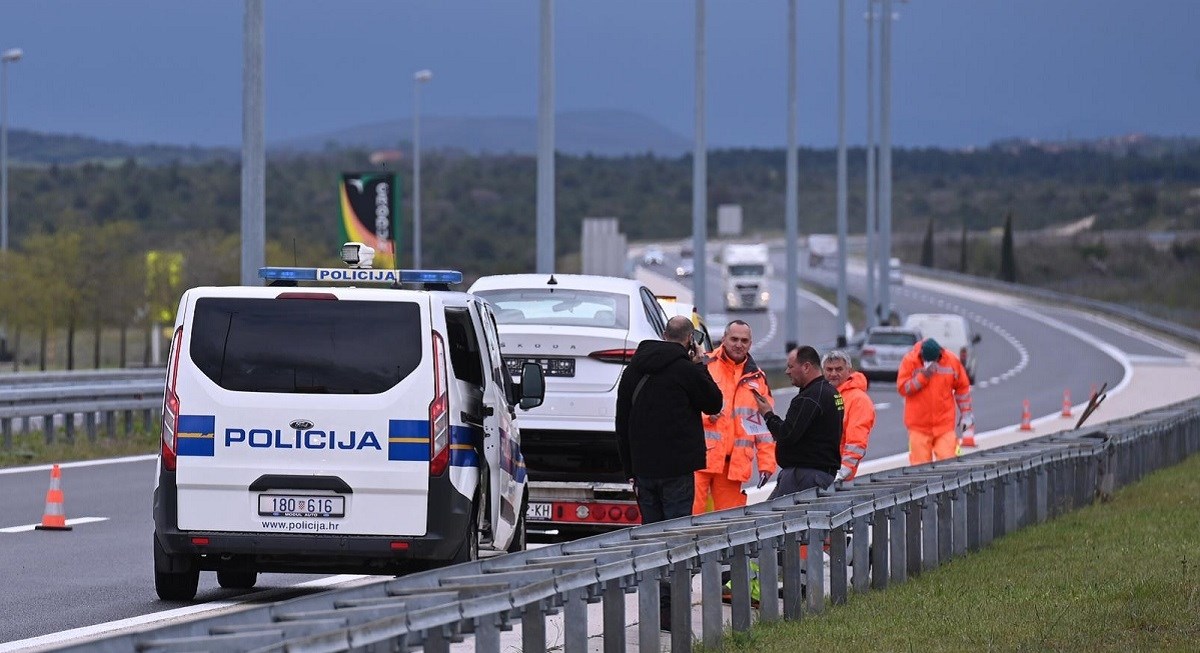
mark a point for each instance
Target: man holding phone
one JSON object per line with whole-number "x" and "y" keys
{"x": 808, "y": 440}
{"x": 660, "y": 398}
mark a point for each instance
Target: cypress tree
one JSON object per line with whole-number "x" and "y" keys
{"x": 927, "y": 246}
{"x": 1008, "y": 259}
{"x": 962, "y": 251}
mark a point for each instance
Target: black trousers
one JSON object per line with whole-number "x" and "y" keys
{"x": 797, "y": 479}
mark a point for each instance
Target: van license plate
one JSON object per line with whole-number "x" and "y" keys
{"x": 301, "y": 505}
{"x": 538, "y": 512}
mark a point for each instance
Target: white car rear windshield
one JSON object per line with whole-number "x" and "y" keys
{"x": 898, "y": 339}
{"x": 306, "y": 346}
{"x": 559, "y": 306}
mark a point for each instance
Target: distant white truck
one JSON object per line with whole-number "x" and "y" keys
{"x": 822, "y": 250}
{"x": 746, "y": 269}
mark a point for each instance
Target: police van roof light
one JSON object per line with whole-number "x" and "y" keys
{"x": 360, "y": 275}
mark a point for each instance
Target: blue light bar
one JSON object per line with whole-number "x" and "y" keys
{"x": 355, "y": 275}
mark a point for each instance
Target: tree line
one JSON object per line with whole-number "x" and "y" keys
{"x": 80, "y": 234}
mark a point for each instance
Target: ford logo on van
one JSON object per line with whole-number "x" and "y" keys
{"x": 301, "y": 424}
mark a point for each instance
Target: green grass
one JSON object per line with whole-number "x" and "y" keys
{"x": 31, "y": 448}
{"x": 1121, "y": 576}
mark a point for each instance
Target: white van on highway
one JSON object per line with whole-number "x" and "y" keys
{"x": 952, "y": 332}
{"x": 336, "y": 429}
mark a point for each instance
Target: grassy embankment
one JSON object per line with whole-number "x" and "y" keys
{"x": 1114, "y": 577}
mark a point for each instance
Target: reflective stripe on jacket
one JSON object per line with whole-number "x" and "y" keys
{"x": 857, "y": 423}
{"x": 738, "y": 431}
{"x": 930, "y": 403}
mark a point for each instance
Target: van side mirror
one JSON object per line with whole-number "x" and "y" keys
{"x": 976, "y": 338}
{"x": 533, "y": 386}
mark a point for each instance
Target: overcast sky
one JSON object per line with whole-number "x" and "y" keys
{"x": 967, "y": 72}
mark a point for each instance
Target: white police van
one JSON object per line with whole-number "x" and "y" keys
{"x": 336, "y": 429}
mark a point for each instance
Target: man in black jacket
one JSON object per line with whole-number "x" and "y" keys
{"x": 808, "y": 441}
{"x": 659, "y": 433}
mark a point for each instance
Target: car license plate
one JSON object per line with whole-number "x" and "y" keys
{"x": 550, "y": 366}
{"x": 538, "y": 512}
{"x": 301, "y": 505}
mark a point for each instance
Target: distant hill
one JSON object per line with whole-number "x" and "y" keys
{"x": 37, "y": 148}
{"x": 601, "y": 133}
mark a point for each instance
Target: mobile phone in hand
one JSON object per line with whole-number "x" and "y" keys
{"x": 757, "y": 395}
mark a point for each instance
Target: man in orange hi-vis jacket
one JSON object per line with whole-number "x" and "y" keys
{"x": 859, "y": 418}
{"x": 934, "y": 385}
{"x": 735, "y": 435}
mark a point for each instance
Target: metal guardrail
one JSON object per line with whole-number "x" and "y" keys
{"x": 94, "y": 399}
{"x": 903, "y": 521}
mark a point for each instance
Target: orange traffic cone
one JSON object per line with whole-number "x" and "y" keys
{"x": 1025, "y": 425}
{"x": 54, "y": 519}
{"x": 1066, "y": 411}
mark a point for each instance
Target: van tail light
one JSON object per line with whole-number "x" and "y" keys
{"x": 439, "y": 412}
{"x": 962, "y": 355}
{"x": 618, "y": 356}
{"x": 868, "y": 351}
{"x": 170, "y": 412}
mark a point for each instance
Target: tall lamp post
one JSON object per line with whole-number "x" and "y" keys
{"x": 419, "y": 77}
{"x": 11, "y": 55}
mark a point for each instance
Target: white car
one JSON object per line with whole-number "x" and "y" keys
{"x": 582, "y": 330}
{"x": 685, "y": 268}
{"x": 653, "y": 256}
{"x": 883, "y": 349}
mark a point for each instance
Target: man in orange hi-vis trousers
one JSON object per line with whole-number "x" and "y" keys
{"x": 860, "y": 410}
{"x": 934, "y": 385}
{"x": 738, "y": 433}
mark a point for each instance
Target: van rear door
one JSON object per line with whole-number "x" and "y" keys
{"x": 304, "y": 411}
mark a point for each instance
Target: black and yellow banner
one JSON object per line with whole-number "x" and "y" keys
{"x": 371, "y": 212}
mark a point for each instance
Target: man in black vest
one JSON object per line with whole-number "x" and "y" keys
{"x": 808, "y": 441}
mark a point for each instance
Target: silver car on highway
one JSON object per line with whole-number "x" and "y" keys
{"x": 883, "y": 348}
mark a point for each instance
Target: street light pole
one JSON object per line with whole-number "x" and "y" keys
{"x": 872, "y": 234}
{"x": 791, "y": 210}
{"x": 12, "y": 55}
{"x": 419, "y": 77}
{"x": 699, "y": 177}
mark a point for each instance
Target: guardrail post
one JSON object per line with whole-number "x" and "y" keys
{"x": 487, "y": 633}
{"x": 913, "y": 536}
{"x": 436, "y": 641}
{"x": 768, "y": 580}
{"x": 1041, "y": 491}
{"x": 944, "y": 518}
{"x": 739, "y": 581}
{"x": 6, "y": 432}
{"x": 1002, "y": 508}
{"x": 614, "y": 616}
{"x": 860, "y": 553}
{"x": 147, "y": 421}
{"x": 928, "y": 551}
{"x": 899, "y": 540}
{"x": 987, "y": 511}
{"x": 879, "y": 549}
{"x": 838, "y": 589}
{"x": 974, "y": 516}
{"x": 814, "y": 570}
{"x": 533, "y": 624}
{"x": 681, "y": 606}
{"x": 958, "y": 516}
{"x": 128, "y": 423}
{"x": 792, "y": 580}
{"x": 69, "y": 427}
{"x": 648, "y": 591}
{"x": 710, "y": 599}
{"x": 110, "y": 424}
{"x": 48, "y": 428}
{"x": 89, "y": 425}
{"x": 574, "y": 622}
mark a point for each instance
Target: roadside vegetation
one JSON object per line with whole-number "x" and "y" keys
{"x": 32, "y": 449}
{"x": 1112, "y": 577}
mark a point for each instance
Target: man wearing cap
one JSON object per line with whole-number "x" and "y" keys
{"x": 936, "y": 392}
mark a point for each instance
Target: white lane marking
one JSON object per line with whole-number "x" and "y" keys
{"x": 79, "y": 463}
{"x": 1133, "y": 333}
{"x": 883, "y": 405}
{"x": 772, "y": 328}
{"x": 70, "y": 522}
{"x": 85, "y": 632}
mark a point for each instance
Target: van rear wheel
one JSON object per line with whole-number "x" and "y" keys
{"x": 237, "y": 580}
{"x": 469, "y": 550}
{"x": 170, "y": 582}
{"x": 519, "y": 539}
